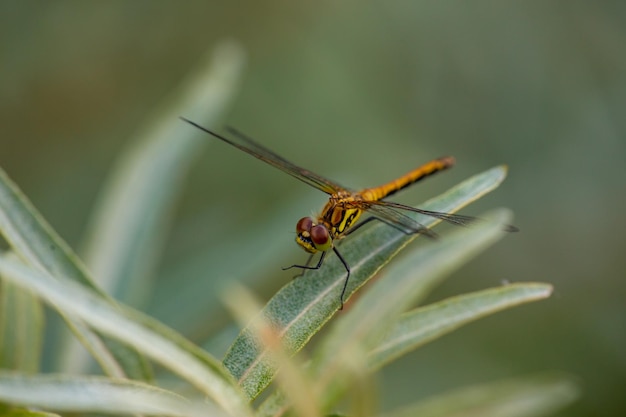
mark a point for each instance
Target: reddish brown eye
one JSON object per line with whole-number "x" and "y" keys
{"x": 304, "y": 225}
{"x": 320, "y": 237}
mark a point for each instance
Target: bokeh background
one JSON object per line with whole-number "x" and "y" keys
{"x": 361, "y": 91}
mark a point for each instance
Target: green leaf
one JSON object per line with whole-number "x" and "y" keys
{"x": 21, "y": 329}
{"x": 145, "y": 334}
{"x": 132, "y": 216}
{"x": 305, "y": 304}
{"x": 523, "y": 397}
{"x": 32, "y": 238}
{"x": 425, "y": 324}
{"x": 293, "y": 380}
{"x": 75, "y": 394}
{"x": 6, "y": 411}
{"x": 34, "y": 241}
{"x": 406, "y": 282}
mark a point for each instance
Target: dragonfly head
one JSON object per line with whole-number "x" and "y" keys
{"x": 312, "y": 237}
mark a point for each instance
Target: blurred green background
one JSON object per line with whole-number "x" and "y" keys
{"x": 361, "y": 91}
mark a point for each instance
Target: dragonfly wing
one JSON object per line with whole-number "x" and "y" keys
{"x": 248, "y": 145}
{"x": 398, "y": 220}
{"x": 457, "y": 219}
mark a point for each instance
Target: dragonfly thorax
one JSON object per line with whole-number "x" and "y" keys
{"x": 340, "y": 213}
{"x": 313, "y": 237}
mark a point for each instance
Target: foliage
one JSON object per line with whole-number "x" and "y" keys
{"x": 126, "y": 237}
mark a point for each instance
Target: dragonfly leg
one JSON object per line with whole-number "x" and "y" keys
{"x": 306, "y": 265}
{"x": 345, "y": 284}
{"x": 302, "y": 267}
{"x": 319, "y": 264}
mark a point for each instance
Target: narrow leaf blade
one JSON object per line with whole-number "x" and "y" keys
{"x": 425, "y": 324}
{"x": 135, "y": 329}
{"x": 127, "y": 231}
{"x": 21, "y": 329}
{"x": 406, "y": 282}
{"x": 79, "y": 394}
{"x": 522, "y": 397}
{"x": 34, "y": 241}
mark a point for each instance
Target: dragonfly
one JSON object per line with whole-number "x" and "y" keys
{"x": 339, "y": 216}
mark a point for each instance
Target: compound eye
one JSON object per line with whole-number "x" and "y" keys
{"x": 304, "y": 225}
{"x": 321, "y": 238}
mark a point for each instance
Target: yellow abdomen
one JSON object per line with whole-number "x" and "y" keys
{"x": 385, "y": 190}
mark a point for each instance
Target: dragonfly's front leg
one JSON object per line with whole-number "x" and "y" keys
{"x": 302, "y": 267}
{"x": 306, "y": 265}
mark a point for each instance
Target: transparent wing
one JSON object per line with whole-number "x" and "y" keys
{"x": 389, "y": 212}
{"x": 248, "y": 145}
{"x": 457, "y": 219}
{"x": 398, "y": 220}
